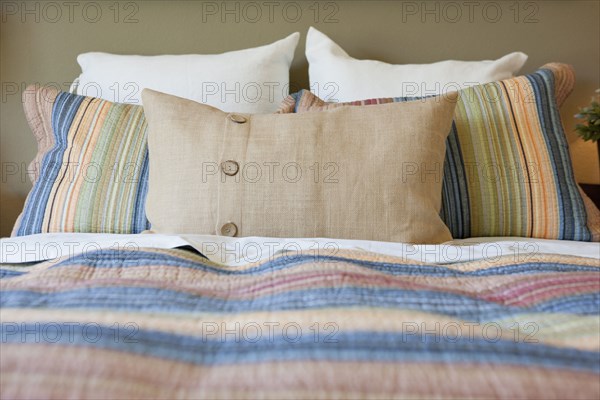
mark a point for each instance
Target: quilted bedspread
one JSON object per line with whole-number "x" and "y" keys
{"x": 170, "y": 324}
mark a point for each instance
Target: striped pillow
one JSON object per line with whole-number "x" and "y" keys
{"x": 90, "y": 174}
{"x": 508, "y": 171}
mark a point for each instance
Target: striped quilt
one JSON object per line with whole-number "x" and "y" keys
{"x": 169, "y": 324}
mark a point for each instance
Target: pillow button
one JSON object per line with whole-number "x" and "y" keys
{"x": 229, "y": 229}
{"x": 230, "y": 167}
{"x": 238, "y": 119}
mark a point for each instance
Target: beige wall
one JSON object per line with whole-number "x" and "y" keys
{"x": 39, "y": 45}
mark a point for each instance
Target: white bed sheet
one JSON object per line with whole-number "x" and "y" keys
{"x": 238, "y": 251}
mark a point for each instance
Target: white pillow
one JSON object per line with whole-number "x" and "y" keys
{"x": 253, "y": 80}
{"x": 335, "y": 76}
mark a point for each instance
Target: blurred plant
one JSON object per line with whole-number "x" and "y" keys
{"x": 590, "y": 129}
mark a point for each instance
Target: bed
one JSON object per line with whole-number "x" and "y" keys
{"x": 421, "y": 247}
{"x": 510, "y": 318}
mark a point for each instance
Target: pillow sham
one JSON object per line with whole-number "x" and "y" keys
{"x": 351, "y": 173}
{"x": 252, "y": 80}
{"x": 508, "y": 170}
{"x": 335, "y": 76}
{"x": 93, "y": 165}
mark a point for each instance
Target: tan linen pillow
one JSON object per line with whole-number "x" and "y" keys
{"x": 372, "y": 173}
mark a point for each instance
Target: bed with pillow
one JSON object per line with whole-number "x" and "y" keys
{"x": 179, "y": 244}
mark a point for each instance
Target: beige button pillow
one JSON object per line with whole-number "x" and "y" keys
{"x": 372, "y": 173}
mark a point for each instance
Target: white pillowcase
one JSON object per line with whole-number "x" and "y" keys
{"x": 253, "y": 80}
{"x": 335, "y": 76}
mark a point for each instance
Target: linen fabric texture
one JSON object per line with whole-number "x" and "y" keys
{"x": 352, "y": 173}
